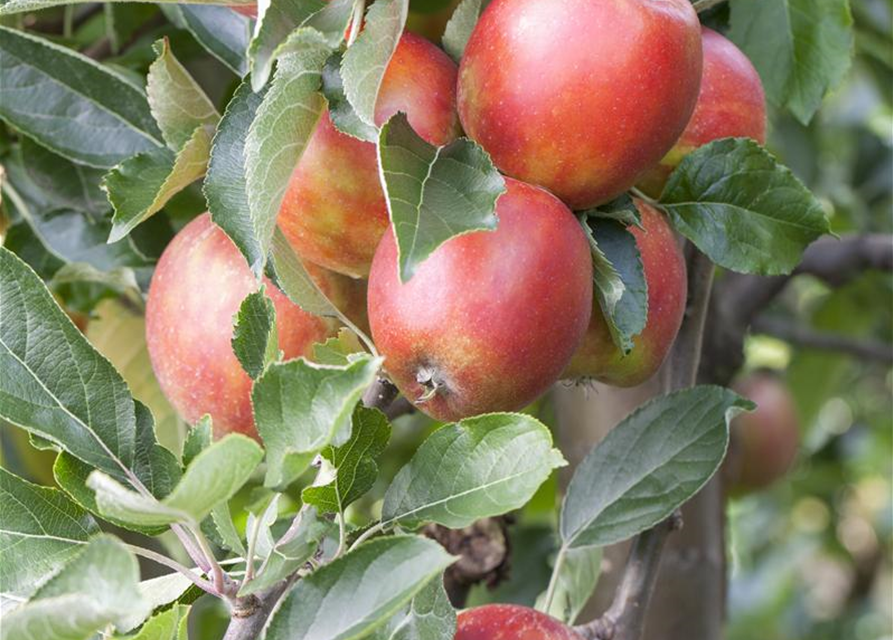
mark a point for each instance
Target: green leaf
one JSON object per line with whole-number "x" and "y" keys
{"x": 198, "y": 439}
{"x": 657, "y": 458}
{"x": 222, "y": 521}
{"x": 430, "y": 616}
{"x": 41, "y": 530}
{"x": 338, "y": 350}
{"x": 17, "y": 6}
{"x": 274, "y": 25}
{"x": 367, "y": 59}
{"x": 295, "y": 547}
{"x": 167, "y": 625}
{"x": 64, "y": 184}
{"x": 434, "y": 194}
{"x": 742, "y": 208}
{"x": 178, "y": 104}
{"x": 153, "y": 465}
{"x": 341, "y": 111}
{"x": 140, "y": 186}
{"x": 255, "y": 340}
{"x": 461, "y": 25}
{"x": 301, "y": 407}
{"x": 224, "y": 187}
{"x": 213, "y": 477}
{"x": 480, "y": 467}
{"x": 620, "y": 285}
{"x": 353, "y": 463}
{"x": 294, "y": 280}
{"x": 801, "y": 48}
{"x": 97, "y": 588}
{"x": 622, "y": 209}
{"x": 53, "y": 383}
{"x": 353, "y": 595}
{"x": 576, "y": 581}
{"x": 44, "y": 84}
{"x": 223, "y": 33}
{"x": 282, "y": 128}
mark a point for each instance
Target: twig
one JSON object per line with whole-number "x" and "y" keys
{"x": 250, "y": 616}
{"x": 685, "y": 357}
{"x": 198, "y": 581}
{"x": 867, "y": 349}
{"x": 380, "y": 394}
{"x": 625, "y": 619}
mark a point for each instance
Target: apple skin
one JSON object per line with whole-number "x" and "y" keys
{"x": 334, "y": 211}
{"x": 510, "y": 622}
{"x": 492, "y": 317}
{"x": 249, "y": 10}
{"x": 197, "y": 288}
{"x": 664, "y": 266}
{"x": 581, "y": 99}
{"x": 731, "y": 103}
{"x": 764, "y": 442}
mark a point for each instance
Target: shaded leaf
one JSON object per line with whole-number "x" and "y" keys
{"x": 44, "y": 84}
{"x": 255, "y": 340}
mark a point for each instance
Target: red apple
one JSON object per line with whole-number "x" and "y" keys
{"x": 491, "y": 318}
{"x": 198, "y": 285}
{"x": 334, "y": 211}
{"x": 579, "y": 96}
{"x": 731, "y": 104}
{"x": 765, "y": 441}
{"x": 249, "y": 10}
{"x": 664, "y": 266}
{"x": 510, "y": 622}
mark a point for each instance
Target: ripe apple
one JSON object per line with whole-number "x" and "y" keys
{"x": 510, "y": 622}
{"x": 491, "y": 318}
{"x": 765, "y": 441}
{"x": 579, "y": 96}
{"x": 198, "y": 285}
{"x": 731, "y": 104}
{"x": 334, "y": 211}
{"x": 249, "y": 10}
{"x": 664, "y": 266}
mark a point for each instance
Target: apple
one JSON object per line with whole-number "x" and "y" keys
{"x": 489, "y": 321}
{"x": 249, "y": 10}
{"x": 578, "y": 96}
{"x": 196, "y": 290}
{"x": 510, "y": 622}
{"x": 765, "y": 441}
{"x": 664, "y": 267}
{"x": 334, "y": 211}
{"x": 731, "y": 103}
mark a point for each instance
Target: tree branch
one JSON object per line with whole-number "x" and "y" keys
{"x": 625, "y": 620}
{"x": 866, "y": 349}
{"x": 740, "y": 298}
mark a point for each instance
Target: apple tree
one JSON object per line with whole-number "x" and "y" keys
{"x": 305, "y": 304}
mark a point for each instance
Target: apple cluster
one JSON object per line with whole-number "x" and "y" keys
{"x": 575, "y": 107}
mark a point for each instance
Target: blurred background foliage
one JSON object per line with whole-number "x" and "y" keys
{"x": 809, "y": 558}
